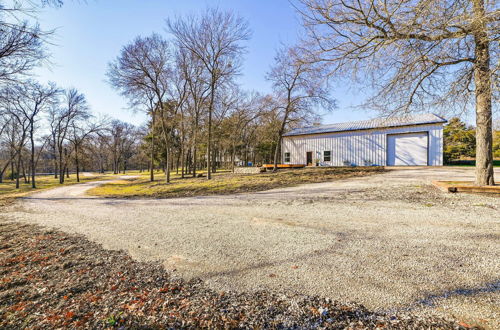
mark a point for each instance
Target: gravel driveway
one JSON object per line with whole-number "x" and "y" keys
{"x": 388, "y": 241}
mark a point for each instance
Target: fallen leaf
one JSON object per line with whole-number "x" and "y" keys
{"x": 465, "y": 325}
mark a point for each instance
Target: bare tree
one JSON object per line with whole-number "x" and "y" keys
{"x": 74, "y": 108}
{"x": 416, "y": 55}
{"x": 123, "y": 137}
{"x": 26, "y": 102}
{"x": 215, "y": 39}
{"x": 299, "y": 88}
{"x": 100, "y": 149}
{"x": 141, "y": 73}
{"x": 198, "y": 92}
{"x": 21, "y": 41}
{"x": 9, "y": 135}
{"x": 178, "y": 94}
{"x": 247, "y": 110}
{"x": 80, "y": 131}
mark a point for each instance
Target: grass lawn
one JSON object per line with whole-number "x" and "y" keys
{"x": 470, "y": 163}
{"x": 224, "y": 183}
{"x": 8, "y": 188}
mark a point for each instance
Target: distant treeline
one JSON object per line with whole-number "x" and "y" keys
{"x": 460, "y": 143}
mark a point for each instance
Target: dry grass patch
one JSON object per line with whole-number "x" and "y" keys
{"x": 226, "y": 183}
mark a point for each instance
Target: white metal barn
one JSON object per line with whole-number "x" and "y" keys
{"x": 415, "y": 140}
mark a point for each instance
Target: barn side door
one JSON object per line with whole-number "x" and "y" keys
{"x": 309, "y": 157}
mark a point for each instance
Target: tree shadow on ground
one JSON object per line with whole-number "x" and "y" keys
{"x": 431, "y": 299}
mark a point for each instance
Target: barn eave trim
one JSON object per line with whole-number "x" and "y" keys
{"x": 291, "y": 134}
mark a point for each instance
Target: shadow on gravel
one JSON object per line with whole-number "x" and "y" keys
{"x": 48, "y": 199}
{"x": 432, "y": 299}
{"x": 234, "y": 272}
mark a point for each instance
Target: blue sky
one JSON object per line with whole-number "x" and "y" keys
{"x": 89, "y": 34}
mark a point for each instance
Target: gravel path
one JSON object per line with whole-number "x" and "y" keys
{"x": 389, "y": 241}
{"x": 55, "y": 280}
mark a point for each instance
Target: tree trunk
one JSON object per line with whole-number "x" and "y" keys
{"x": 54, "y": 152}
{"x": 77, "y": 165}
{"x": 195, "y": 161}
{"x": 183, "y": 163}
{"x": 152, "y": 157}
{"x": 24, "y": 172}
{"x": 167, "y": 165}
{"x": 12, "y": 170}
{"x": 182, "y": 151}
{"x": 18, "y": 169}
{"x": 177, "y": 162}
{"x": 233, "y": 156}
{"x": 209, "y": 142}
{"x": 189, "y": 162}
{"x": 63, "y": 165}
{"x": 246, "y": 156}
{"x": 276, "y": 153}
{"x": 4, "y": 169}
{"x": 214, "y": 160}
{"x": 32, "y": 159}
{"x": 482, "y": 80}
{"x": 277, "y": 150}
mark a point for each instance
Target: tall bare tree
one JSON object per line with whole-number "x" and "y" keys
{"x": 141, "y": 73}
{"x": 198, "y": 92}
{"x": 416, "y": 55}
{"x": 22, "y": 41}
{"x": 72, "y": 109}
{"x": 122, "y": 138}
{"x": 80, "y": 131}
{"x": 27, "y": 100}
{"x": 248, "y": 108}
{"x": 299, "y": 88}
{"x": 215, "y": 39}
{"x": 14, "y": 137}
{"x": 7, "y": 138}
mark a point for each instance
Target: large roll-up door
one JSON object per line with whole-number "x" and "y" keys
{"x": 407, "y": 149}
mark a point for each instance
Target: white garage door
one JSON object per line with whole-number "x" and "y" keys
{"x": 407, "y": 149}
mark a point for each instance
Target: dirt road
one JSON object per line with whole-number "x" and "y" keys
{"x": 388, "y": 241}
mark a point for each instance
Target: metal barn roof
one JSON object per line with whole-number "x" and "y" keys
{"x": 409, "y": 120}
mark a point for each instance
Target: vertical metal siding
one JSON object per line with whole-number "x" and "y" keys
{"x": 359, "y": 147}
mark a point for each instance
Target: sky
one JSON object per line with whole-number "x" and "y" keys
{"x": 89, "y": 34}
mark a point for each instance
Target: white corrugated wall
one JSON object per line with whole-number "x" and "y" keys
{"x": 366, "y": 147}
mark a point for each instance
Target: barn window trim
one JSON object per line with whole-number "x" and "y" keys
{"x": 287, "y": 157}
{"x": 327, "y": 156}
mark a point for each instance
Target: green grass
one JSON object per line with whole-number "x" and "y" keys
{"x": 469, "y": 163}
{"x": 224, "y": 182}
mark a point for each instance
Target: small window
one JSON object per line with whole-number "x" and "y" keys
{"x": 287, "y": 157}
{"x": 327, "y": 156}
